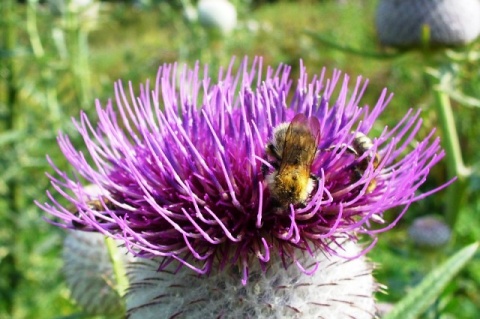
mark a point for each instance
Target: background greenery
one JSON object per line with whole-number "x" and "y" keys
{"x": 54, "y": 64}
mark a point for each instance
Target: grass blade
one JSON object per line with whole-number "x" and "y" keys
{"x": 424, "y": 295}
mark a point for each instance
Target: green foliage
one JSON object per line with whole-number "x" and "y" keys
{"x": 425, "y": 294}
{"x": 53, "y": 65}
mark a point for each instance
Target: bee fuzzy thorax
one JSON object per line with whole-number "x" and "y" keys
{"x": 291, "y": 152}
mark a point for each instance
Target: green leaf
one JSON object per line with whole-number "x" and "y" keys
{"x": 348, "y": 49}
{"x": 11, "y": 137}
{"x": 463, "y": 99}
{"x": 425, "y": 294}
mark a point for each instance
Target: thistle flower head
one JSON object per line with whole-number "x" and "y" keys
{"x": 180, "y": 167}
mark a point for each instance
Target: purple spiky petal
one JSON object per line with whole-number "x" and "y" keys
{"x": 182, "y": 164}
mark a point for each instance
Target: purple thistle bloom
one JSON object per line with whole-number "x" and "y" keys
{"x": 180, "y": 167}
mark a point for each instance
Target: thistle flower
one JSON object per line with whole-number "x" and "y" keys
{"x": 180, "y": 169}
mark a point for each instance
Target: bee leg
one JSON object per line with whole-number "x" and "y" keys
{"x": 78, "y": 225}
{"x": 272, "y": 151}
{"x": 356, "y": 173}
{"x": 313, "y": 184}
{"x": 266, "y": 168}
{"x": 275, "y": 203}
{"x": 349, "y": 149}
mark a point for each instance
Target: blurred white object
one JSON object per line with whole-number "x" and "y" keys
{"x": 87, "y": 10}
{"x": 62, "y": 6}
{"x": 217, "y": 14}
{"x": 190, "y": 13}
{"x": 340, "y": 288}
{"x": 451, "y": 22}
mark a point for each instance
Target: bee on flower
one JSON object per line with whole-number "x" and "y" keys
{"x": 292, "y": 149}
{"x": 191, "y": 170}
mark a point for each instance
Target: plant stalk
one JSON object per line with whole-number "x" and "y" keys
{"x": 118, "y": 266}
{"x": 9, "y": 264}
{"x": 456, "y": 193}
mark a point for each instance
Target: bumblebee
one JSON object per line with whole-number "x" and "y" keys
{"x": 292, "y": 151}
{"x": 362, "y": 145}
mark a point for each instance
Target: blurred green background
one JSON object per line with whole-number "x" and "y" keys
{"x": 56, "y": 62}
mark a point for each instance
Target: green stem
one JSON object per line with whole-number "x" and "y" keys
{"x": 32, "y": 29}
{"x": 46, "y": 73}
{"x": 118, "y": 266}
{"x": 9, "y": 265}
{"x": 83, "y": 68}
{"x": 77, "y": 43}
{"x": 455, "y": 166}
{"x": 348, "y": 49}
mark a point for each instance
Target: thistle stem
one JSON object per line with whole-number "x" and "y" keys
{"x": 9, "y": 265}
{"x": 455, "y": 166}
{"x": 46, "y": 73}
{"x": 118, "y": 266}
{"x": 32, "y": 30}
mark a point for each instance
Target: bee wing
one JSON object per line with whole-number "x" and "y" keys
{"x": 301, "y": 141}
{"x": 314, "y": 126}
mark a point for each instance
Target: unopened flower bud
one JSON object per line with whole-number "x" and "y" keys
{"x": 401, "y": 23}
{"x": 429, "y": 232}
{"x": 217, "y": 14}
